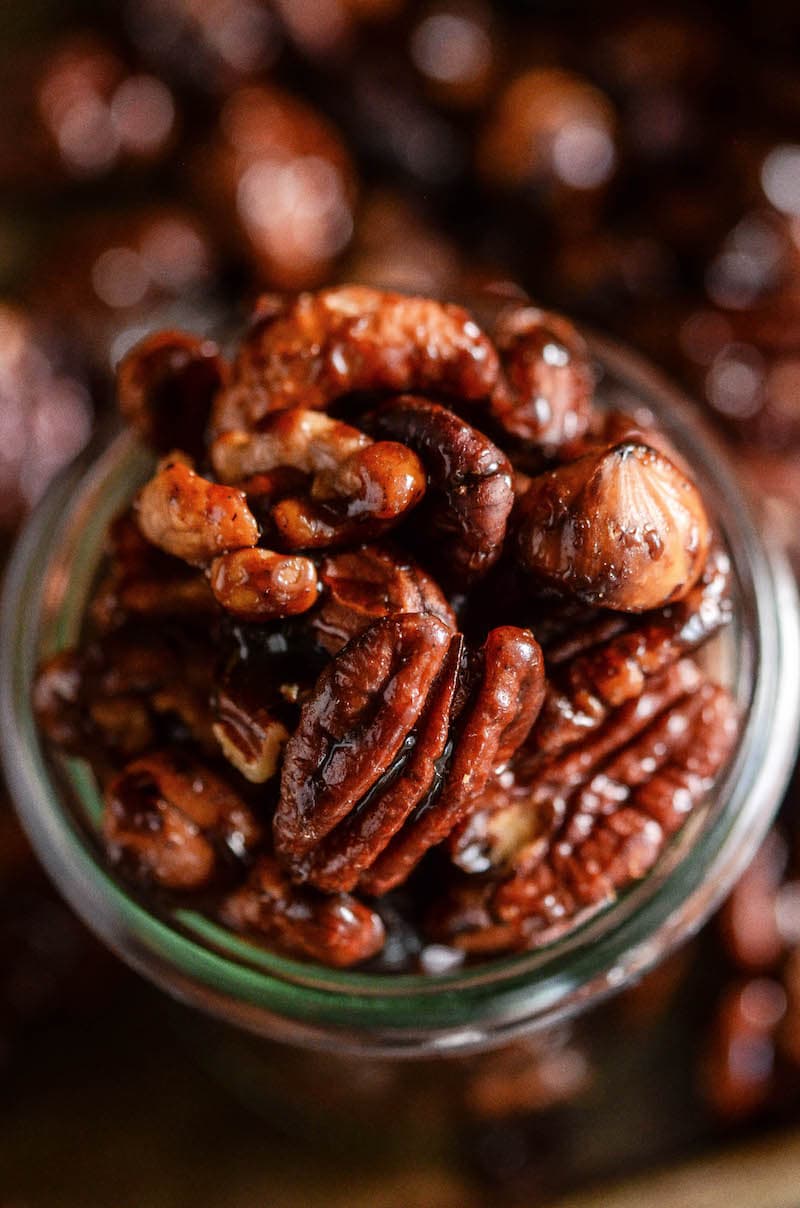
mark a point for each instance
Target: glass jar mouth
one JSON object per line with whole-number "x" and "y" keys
{"x": 402, "y": 1014}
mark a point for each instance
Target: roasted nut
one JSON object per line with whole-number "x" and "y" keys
{"x": 259, "y": 585}
{"x": 347, "y": 686}
{"x": 336, "y": 930}
{"x": 250, "y": 736}
{"x": 118, "y": 697}
{"x": 354, "y": 338}
{"x": 621, "y": 819}
{"x": 550, "y": 776}
{"x": 358, "y": 489}
{"x": 143, "y": 582}
{"x": 620, "y": 803}
{"x": 363, "y": 708}
{"x": 410, "y": 782}
{"x": 300, "y": 439}
{"x": 622, "y": 528}
{"x": 501, "y": 708}
{"x": 545, "y": 393}
{"x": 170, "y": 820}
{"x": 165, "y": 387}
{"x": 605, "y": 674}
{"x": 192, "y": 518}
{"x": 359, "y": 586}
{"x": 470, "y": 494}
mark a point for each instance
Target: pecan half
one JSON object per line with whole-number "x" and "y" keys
{"x": 354, "y": 338}
{"x": 622, "y": 528}
{"x": 363, "y": 708}
{"x": 165, "y": 387}
{"x": 470, "y": 493}
{"x": 170, "y": 820}
{"x": 336, "y": 930}
{"x": 186, "y": 515}
{"x": 617, "y": 824}
{"x": 502, "y": 707}
{"x": 379, "y": 773}
{"x": 545, "y": 393}
{"x": 250, "y": 735}
{"x": 359, "y": 586}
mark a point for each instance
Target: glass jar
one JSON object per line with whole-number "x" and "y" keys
{"x": 382, "y": 1015}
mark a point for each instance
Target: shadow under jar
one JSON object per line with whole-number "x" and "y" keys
{"x": 377, "y": 1013}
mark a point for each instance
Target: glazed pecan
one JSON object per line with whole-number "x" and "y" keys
{"x": 353, "y": 338}
{"x": 544, "y": 395}
{"x": 343, "y": 859}
{"x": 165, "y": 387}
{"x": 251, "y": 735}
{"x": 377, "y": 774}
{"x": 616, "y": 824}
{"x": 470, "y": 495}
{"x": 334, "y": 929}
{"x": 358, "y": 488}
{"x": 503, "y": 703}
{"x": 359, "y": 586}
{"x": 117, "y": 696}
{"x": 191, "y": 518}
{"x": 608, "y": 660}
{"x": 172, "y": 821}
{"x": 365, "y": 705}
{"x": 622, "y": 528}
{"x": 259, "y": 585}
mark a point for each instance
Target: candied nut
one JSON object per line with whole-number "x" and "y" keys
{"x": 620, "y": 820}
{"x": 505, "y": 820}
{"x": 171, "y": 820}
{"x": 354, "y": 338}
{"x": 410, "y": 782}
{"x": 142, "y": 581}
{"x": 259, "y": 585}
{"x": 363, "y": 708}
{"x": 107, "y": 697}
{"x": 607, "y": 673}
{"x": 336, "y": 930}
{"x": 493, "y": 722}
{"x": 359, "y": 488}
{"x": 513, "y": 823}
{"x": 359, "y": 586}
{"x": 470, "y": 494}
{"x": 620, "y": 801}
{"x": 165, "y": 386}
{"x": 545, "y": 393}
{"x": 249, "y": 735}
{"x": 192, "y": 518}
{"x": 622, "y": 528}
{"x": 300, "y": 439}
{"x": 57, "y": 699}
{"x": 550, "y": 775}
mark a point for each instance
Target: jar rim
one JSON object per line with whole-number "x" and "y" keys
{"x": 404, "y": 1014}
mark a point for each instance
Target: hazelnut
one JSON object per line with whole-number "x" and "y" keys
{"x": 622, "y": 528}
